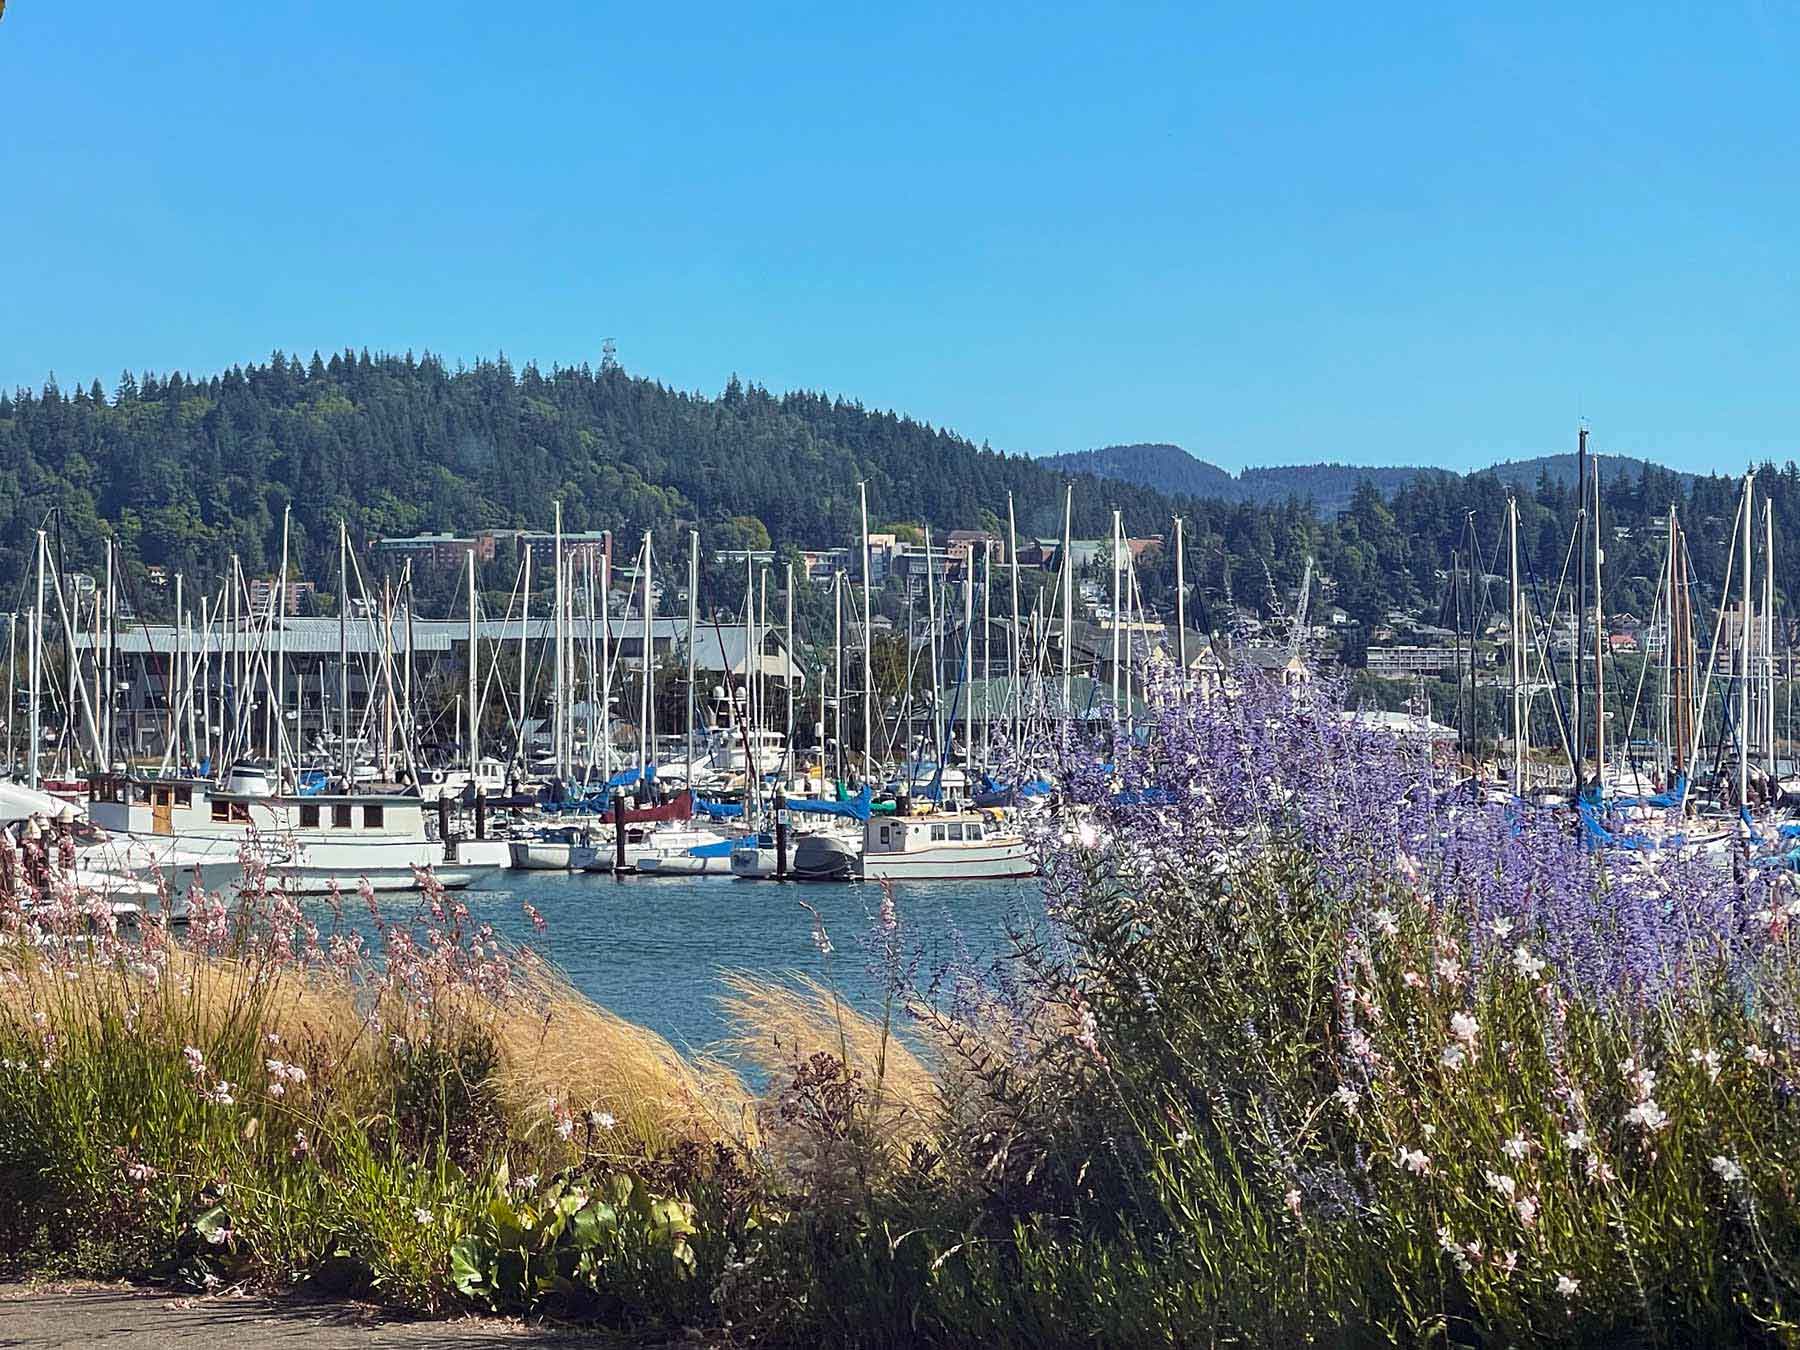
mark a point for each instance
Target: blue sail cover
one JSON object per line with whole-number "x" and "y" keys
{"x": 722, "y": 849}
{"x": 719, "y": 810}
{"x": 588, "y": 799}
{"x": 854, "y": 808}
{"x": 993, "y": 794}
{"x": 1599, "y": 836}
{"x": 1663, "y": 800}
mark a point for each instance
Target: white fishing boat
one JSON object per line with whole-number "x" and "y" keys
{"x": 959, "y": 846}
{"x": 951, "y": 846}
{"x": 194, "y": 831}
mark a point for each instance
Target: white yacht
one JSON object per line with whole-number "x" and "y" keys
{"x": 947, "y": 846}
{"x": 196, "y": 830}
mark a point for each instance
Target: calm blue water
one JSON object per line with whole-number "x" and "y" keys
{"x": 651, "y": 948}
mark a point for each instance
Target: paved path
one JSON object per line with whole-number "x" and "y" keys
{"x": 83, "y": 1314}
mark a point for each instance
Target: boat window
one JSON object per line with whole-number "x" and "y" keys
{"x": 975, "y": 830}
{"x": 142, "y": 794}
{"x": 221, "y": 810}
{"x": 937, "y": 832}
{"x": 340, "y": 817}
{"x": 373, "y": 816}
{"x": 885, "y": 841}
{"x": 309, "y": 817}
{"x": 184, "y": 796}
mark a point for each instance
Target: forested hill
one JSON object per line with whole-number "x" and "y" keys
{"x": 1171, "y": 469}
{"x": 1329, "y": 487}
{"x": 188, "y": 470}
{"x": 185, "y": 471}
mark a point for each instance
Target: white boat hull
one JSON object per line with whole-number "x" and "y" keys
{"x": 1002, "y": 860}
{"x": 182, "y": 862}
{"x": 754, "y": 864}
{"x": 542, "y": 855}
{"x": 481, "y": 853}
{"x": 684, "y": 865}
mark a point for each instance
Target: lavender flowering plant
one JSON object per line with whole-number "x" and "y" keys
{"x": 1334, "y": 1046}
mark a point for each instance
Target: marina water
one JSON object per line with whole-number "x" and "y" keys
{"x": 652, "y": 949}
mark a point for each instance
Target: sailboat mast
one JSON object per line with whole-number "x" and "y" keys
{"x": 647, "y": 723}
{"x": 1744, "y": 655}
{"x": 388, "y": 710}
{"x": 560, "y": 692}
{"x": 12, "y": 685}
{"x": 987, "y": 651}
{"x": 1115, "y": 611}
{"x": 1181, "y": 657}
{"x": 1580, "y": 605}
{"x": 592, "y": 655}
{"x": 105, "y": 664}
{"x": 837, "y": 681}
{"x": 1768, "y": 636}
{"x": 34, "y": 730}
{"x": 693, "y": 628}
{"x": 749, "y": 689}
{"x": 278, "y": 600}
{"x": 408, "y": 724}
{"x": 931, "y": 631}
{"x": 177, "y": 677}
{"x": 968, "y": 665}
{"x": 1015, "y": 686}
{"x": 344, "y": 766}
{"x": 1667, "y": 736}
{"x": 862, "y": 494}
{"x": 1068, "y": 605}
{"x": 474, "y": 680}
{"x": 524, "y": 663}
{"x": 606, "y": 655}
{"x": 787, "y": 744}
{"x": 1599, "y": 644}
{"x": 1516, "y": 640}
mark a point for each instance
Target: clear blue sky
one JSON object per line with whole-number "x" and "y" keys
{"x": 1272, "y": 234}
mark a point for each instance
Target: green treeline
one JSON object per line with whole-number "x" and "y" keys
{"x": 183, "y": 472}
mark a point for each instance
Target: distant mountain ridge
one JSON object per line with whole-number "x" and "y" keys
{"x": 1329, "y": 486}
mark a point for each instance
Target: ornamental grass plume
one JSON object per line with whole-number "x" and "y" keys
{"x": 781, "y": 1026}
{"x": 265, "y": 1098}
{"x": 620, "y": 1081}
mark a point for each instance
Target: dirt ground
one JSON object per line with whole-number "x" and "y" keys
{"x": 84, "y": 1314}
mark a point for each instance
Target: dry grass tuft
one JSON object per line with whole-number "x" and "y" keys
{"x": 780, "y": 1025}
{"x": 557, "y": 1044}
